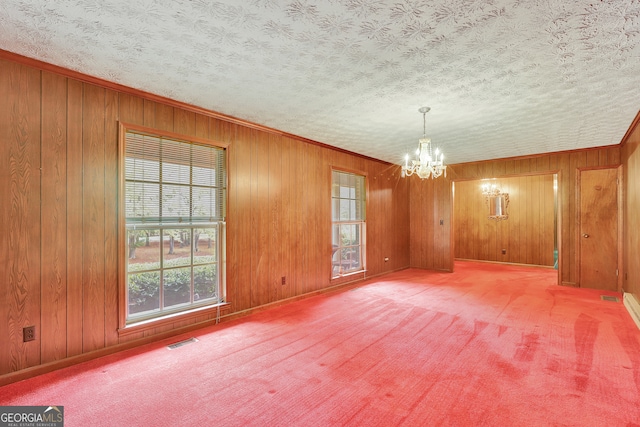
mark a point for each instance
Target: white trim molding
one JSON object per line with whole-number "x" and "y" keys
{"x": 633, "y": 307}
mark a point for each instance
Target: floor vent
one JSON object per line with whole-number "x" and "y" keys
{"x": 609, "y": 298}
{"x": 181, "y": 343}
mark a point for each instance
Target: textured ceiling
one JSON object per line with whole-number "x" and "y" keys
{"x": 502, "y": 77}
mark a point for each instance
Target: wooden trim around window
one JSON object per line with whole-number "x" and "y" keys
{"x": 170, "y": 319}
{"x": 123, "y": 328}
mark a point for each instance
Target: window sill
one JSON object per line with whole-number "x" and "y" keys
{"x": 348, "y": 277}
{"x": 150, "y": 324}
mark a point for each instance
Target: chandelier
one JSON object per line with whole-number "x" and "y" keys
{"x": 428, "y": 164}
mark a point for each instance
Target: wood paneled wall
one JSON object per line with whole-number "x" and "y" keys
{"x": 426, "y": 209}
{"x": 59, "y": 217}
{"x": 431, "y": 228}
{"x": 631, "y": 168}
{"x": 527, "y": 236}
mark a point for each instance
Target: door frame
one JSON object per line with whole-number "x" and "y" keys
{"x": 558, "y": 173}
{"x": 620, "y": 237}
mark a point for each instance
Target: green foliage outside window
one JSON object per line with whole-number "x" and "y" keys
{"x": 144, "y": 291}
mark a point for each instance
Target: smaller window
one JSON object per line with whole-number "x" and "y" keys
{"x": 348, "y": 207}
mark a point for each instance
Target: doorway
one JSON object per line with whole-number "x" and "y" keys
{"x": 525, "y": 233}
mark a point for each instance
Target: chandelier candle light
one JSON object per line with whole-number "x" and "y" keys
{"x": 427, "y": 165}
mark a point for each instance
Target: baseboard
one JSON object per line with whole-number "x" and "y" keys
{"x": 518, "y": 264}
{"x": 633, "y": 307}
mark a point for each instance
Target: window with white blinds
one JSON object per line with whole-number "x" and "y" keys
{"x": 348, "y": 215}
{"x": 174, "y": 207}
{"x": 173, "y": 181}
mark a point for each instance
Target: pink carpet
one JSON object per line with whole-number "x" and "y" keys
{"x": 488, "y": 345}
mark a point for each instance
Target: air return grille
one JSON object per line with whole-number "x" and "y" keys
{"x": 181, "y": 343}
{"x": 609, "y": 298}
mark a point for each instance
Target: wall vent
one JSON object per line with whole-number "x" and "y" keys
{"x": 181, "y": 343}
{"x": 609, "y": 298}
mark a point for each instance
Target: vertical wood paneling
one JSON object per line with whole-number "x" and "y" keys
{"x": 575, "y": 161}
{"x": 305, "y": 220}
{"x": 308, "y": 223}
{"x": 399, "y": 250}
{"x": 593, "y": 158}
{"x": 297, "y": 199}
{"x": 202, "y": 127}
{"x": 287, "y": 257}
{"x": 322, "y": 212}
{"x": 564, "y": 204}
{"x": 231, "y": 241}
{"x": 631, "y": 245}
{"x": 93, "y": 232}
{"x": 75, "y": 289}
{"x": 20, "y": 214}
{"x": 131, "y": 109}
{"x": 275, "y": 257}
{"x": 428, "y": 224}
{"x": 184, "y": 122}
{"x": 243, "y": 287}
{"x": 54, "y": 217}
{"x": 163, "y": 117}
{"x": 260, "y": 211}
{"x": 522, "y": 235}
{"x": 111, "y": 117}
{"x": 547, "y": 163}
{"x": 550, "y": 209}
{"x": 314, "y": 242}
{"x": 375, "y": 242}
{"x": 425, "y": 243}
{"x": 149, "y": 113}
{"x": 565, "y": 164}
{"x": 279, "y": 208}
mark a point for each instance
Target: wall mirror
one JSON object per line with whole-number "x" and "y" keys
{"x": 498, "y": 206}
{"x": 497, "y": 201}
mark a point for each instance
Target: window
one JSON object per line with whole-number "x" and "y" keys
{"x": 348, "y": 223}
{"x": 174, "y": 207}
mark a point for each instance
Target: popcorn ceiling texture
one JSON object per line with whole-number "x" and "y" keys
{"x": 502, "y": 77}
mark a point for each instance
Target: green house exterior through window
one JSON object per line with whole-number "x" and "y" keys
{"x": 348, "y": 207}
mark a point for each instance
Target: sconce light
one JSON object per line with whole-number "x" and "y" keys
{"x": 497, "y": 201}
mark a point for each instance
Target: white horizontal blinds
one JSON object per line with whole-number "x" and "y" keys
{"x": 170, "y": 181}
{"x": 348, "y": 196}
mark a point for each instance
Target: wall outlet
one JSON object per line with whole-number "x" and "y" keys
{"x": 284, "y": 280}
{"x": 504, "y": 252}
{"x": 28, "y": 333}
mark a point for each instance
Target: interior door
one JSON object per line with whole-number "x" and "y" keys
{"x": 598, "y": 240}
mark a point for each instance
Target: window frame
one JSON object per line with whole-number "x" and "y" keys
{"x": 145, "y": 323}
{"x": 362, "y": 223}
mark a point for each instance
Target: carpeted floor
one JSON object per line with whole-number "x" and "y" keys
{"x": 488, "y": 345}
